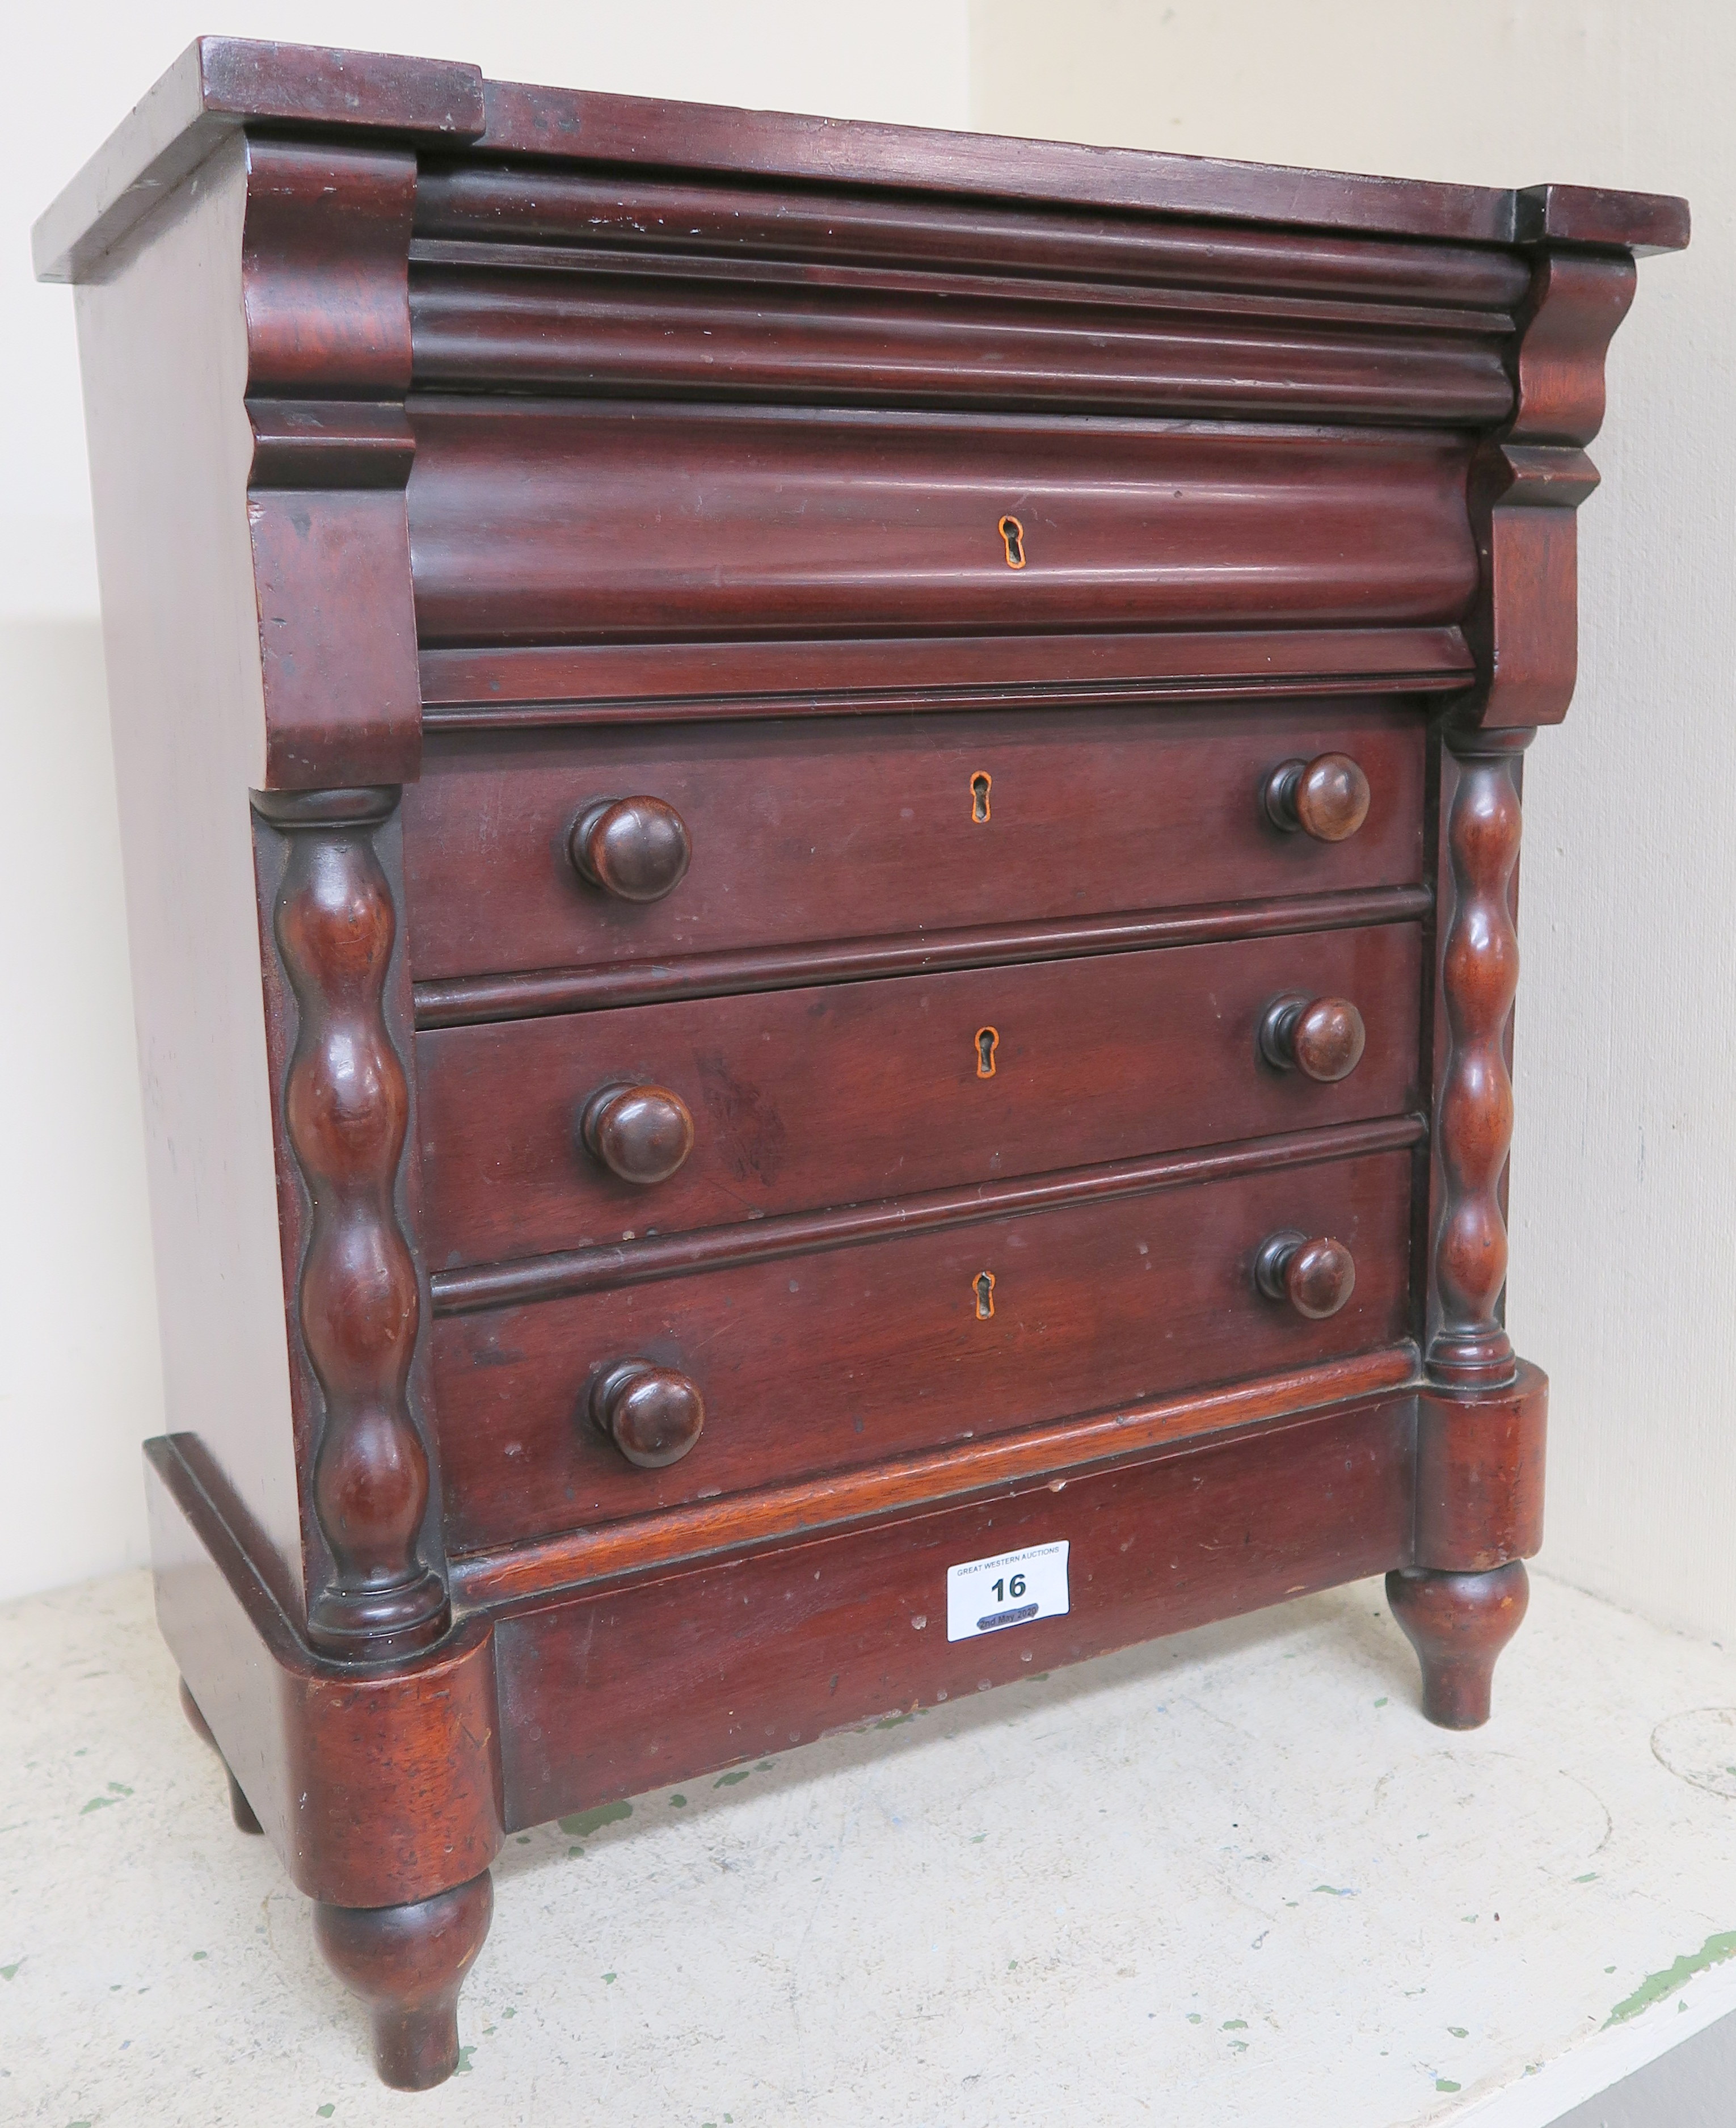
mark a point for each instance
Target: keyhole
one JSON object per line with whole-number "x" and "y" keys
{"x": 984, "y": 1283}
{"x": 987, "y": 1041}
{"x": 980, "y": 784}
{"x": 1013, "y": 533}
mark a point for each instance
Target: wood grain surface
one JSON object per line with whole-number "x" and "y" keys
{"x": 844, "y": 1357}
{"x": 826, "y": 831}
{"x": 835, "y": 1095}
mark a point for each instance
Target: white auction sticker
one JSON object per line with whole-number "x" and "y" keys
{"x": 987, "y": 1595}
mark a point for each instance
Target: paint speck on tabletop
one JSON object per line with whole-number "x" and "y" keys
{"x": 325, "y": 2111}
{"x": 1656, "y": 1985}
{"x": 1013, "y": 1965}
{"x": 729, "y": 1780}
{"x": 98, "y": 1802}
{"x": 572, "y": 1851}
{"x": 1590, "y": 1877}
{"x": 1446, "y": 2083}
{"x": 523, "y": 1839}
{"x": 1234, "y": 2025}
{"x": 464, "y": 2055}
{"x": 583, "y": 1823}
{"x": 607, "y": 1978}
{"x": 1238, "y": 2046}
{"x": 1458, "y": 2032}
{"x": 1194, "y": 2017}
{"x": 1337, "y": 1891}
{"x": 1382, "y": 1701}
{"x": 508, "y": 2011}
{"x": 10, "y": 1971}
{"x": 1608, "y": 1968}
{"x": 760, "y": 1766}
{"x": 200, "y": 1954}
{"x": 976, "y": 1840}
{"x": 678, "y": 1802}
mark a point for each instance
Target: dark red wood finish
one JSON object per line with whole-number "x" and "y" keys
{"x": 885, "y": 803}
{"x": 536, "y": 522}
{"x": 811, "y": 830}
{"x": 819, "y": 1361}
{"x": 774, "y": 1650}
{"x": 945, "y": 1080}
{"x": 1458, "y": 1623}
{"x": 407, "y": 1962}
{"x": 330, "y": 914}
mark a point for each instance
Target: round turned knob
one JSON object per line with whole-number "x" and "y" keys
{"x": 642, "y": 1133}
{"x": 1317, "y": 1277}
{"x": 1326, "y": 798}
{"x": 637, "y": 849}
{"x": 652, "y": 1414}
{"x": 1322, "y": 1038}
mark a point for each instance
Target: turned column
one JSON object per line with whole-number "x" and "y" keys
{"x": 345, "y": 1108}
{"x": 1481, "y": 1411}
{"x": 1477, "y": 1475}
{"x": 324, "y": 270}
{"x": 379, "y": 1594}
{"x": 1469, "y": 1345}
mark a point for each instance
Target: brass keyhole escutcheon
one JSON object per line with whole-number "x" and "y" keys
{"x": 1013, "y": 533}
{"x": 980, "y": 784}
{"x": 988, "y": 1041}
{"x": 983, "y": 1286}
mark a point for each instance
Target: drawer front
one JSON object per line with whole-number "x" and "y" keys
{"x": 562, "y": 521}
{"x": 823, "y": 830}
{"x": 805, "y": 1099}
{"x": 822, "y": 1362}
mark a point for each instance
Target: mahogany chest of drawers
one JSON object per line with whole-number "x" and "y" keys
{"x": 821, "y": 827}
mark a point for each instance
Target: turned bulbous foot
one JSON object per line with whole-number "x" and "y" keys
{"x": 1458, "y": 1623}
{"x": 239, "y": 1808}
{"x": 407, "y": 1964}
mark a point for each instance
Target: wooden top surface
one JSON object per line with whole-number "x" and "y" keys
{"x": 220, "y": 85}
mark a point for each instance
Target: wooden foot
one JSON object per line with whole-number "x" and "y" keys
{"x": 407, "y": 1964}
{"x": 239, "y": 1808}
{"x": 1458, "y": 1623}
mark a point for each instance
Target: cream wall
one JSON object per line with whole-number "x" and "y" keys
{"x": 1625, "y": 1268}
{"x": 79, "y": 1385}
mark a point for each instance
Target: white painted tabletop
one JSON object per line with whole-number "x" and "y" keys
{"x": 1232, "y": 1878}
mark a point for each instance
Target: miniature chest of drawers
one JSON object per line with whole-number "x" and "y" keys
{"x": 821, "y": 827}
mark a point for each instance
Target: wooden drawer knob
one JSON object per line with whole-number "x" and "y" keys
{"x": 653, "y": 1415}
{"x": 1315, "y": 1276}
{"x": 1322, "y": 1038}
{"x": 637, "y": 849}
{"x": 1326, "y": 798}
{"x": 642, "y": 1133}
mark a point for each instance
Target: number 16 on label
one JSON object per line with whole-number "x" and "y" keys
{"x": 1012, "y": 1588}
